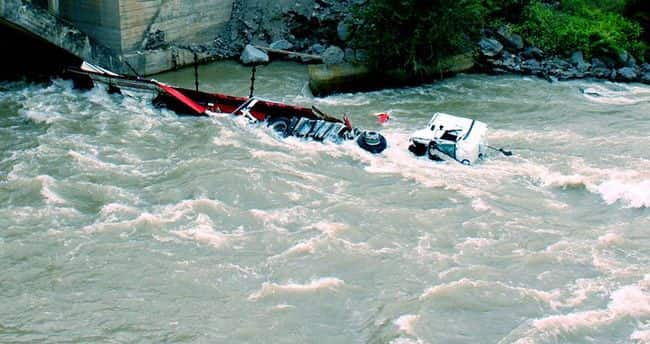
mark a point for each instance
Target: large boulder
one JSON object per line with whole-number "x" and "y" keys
{"x": 333, "y": 56}
{"x": 490, "y": 47}
{"x": 626, "y": 60}
{"x": 645, "y": 78}
{"x": 578, "y": 60}
{"x": 510, "y": 40}
{"x": 252, "y": 55}
{"x": 282, "y": 44}
{"x": 532, "y": 53}
{"x": 344, "y": 31}
{"x": 601, "y": 72}
{"x": 626, "y": 74}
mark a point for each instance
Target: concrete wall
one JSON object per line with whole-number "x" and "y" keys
{"x": 41, "y": 23}
{"x": 99, "y": 19}
{"x": 181, "y": 21}
{"x": 123, "y": 25}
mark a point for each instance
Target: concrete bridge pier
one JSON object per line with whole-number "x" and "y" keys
{"x": 151, "y": 35}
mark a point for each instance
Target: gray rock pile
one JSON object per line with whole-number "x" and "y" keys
{"x": 505, "y": 52}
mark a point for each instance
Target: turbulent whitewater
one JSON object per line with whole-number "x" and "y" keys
{"x": 121, "y": 222}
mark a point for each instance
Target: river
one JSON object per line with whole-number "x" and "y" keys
{"x": 124, "y": 223}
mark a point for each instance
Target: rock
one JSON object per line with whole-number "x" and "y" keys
{"x": 490, "y": 47}
{"x": 532, "y": 53}
{"x": 282, "y": 44}
{"x": 627, "y": 74}
{"x": 333, "y": 56}
{"x": 626, "y": 60}
{"x": 597, "y": 63}
{"x": 601, "y": 72}
{"x": 252, "y": 55}
{"x": 532, "y": 66}
{"x": 344, "y": 31}
{"x": 511, "y": 40}
{"x": 645, "y": 78}
{"x": 317, "y": 49}
{"x": 577, "y": 59}
{"x": 350, "y": 55}
{"x": 645, "y": 68}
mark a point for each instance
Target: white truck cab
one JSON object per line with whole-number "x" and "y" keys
{"x": 450, "y": 137}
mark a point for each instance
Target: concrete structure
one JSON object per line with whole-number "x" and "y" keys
{"x": 148, "y": 34}
{"x": 40, "y": 29}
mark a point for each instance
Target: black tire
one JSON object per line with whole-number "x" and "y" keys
{"x": 280, "y": 125}
{"x": 372, "y": 142}
{"x": 418, "y": 149}
{"x": 432, "y": 152}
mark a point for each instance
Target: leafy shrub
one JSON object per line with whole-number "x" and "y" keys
{"x": 509, "y": 11}
{"x": 639, "y": 10}
{"x": 581, "y": 25}
{"x": 413, "y": 33}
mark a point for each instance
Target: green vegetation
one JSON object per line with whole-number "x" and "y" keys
{"x": 410, "y": 34}
{"x": 414, "y": 33}
{"x": 594, "y": 27}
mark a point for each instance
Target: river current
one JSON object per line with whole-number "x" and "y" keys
{"x": 124, "y": 223}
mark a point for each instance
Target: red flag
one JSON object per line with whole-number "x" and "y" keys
{"x": 383, "y": 117}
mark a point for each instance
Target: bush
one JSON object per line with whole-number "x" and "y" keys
{"x": 414, "y": 33}
{"x": 581, "y": 25}
{"x": 639, "y": 10}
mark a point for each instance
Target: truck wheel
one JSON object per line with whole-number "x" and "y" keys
{"x": 372, "y": 142}
{"x": 418, "y": 149}
{"x": 432, "y": 152}
{"x": 280, "y": 125}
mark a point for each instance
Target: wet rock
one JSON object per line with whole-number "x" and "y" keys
{"x": 626, "y": 60}
{"x": 627, "y": 74}
{"x": 532, "y": 53}
{"x": 510, "y": 40}
{"x": 597, "y": 63}
{"x": 333, "y": 56}
{"x": 645, "y": 68}
{"x": 344, "y": 31}
{"x": 532, "y": 66}
{"x": 577, "y": 59}
{"x": 601, "y": 72}
{"x": 317, "y": 49}
{"x": 350, "y": 55}
{"x": 252, "y": 55}
{"x": 490, "y": 47}
{"x": 645, "y": 78}
{"x": 282, "y": 44}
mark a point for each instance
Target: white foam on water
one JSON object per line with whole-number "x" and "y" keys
{"x": 227, "y": 138}
{"x": 636, "y": 194}
{"x": 115, "y": 209}
{"x": 166, "y": 215}
{"x": 41, "y": 116}
{"x": 449, "y": 289}
{"x": 406, "y": 323}
{"x": 641, "y": 336}
{"x": 630, "y": 301}
{"x": 278, "y": 219}
{"x": 203, "y": 231}
{"x": 50, "y": 196}
{"x": 610, "y": 239}
{"x": 283, "y": 307}
{"x": 269, "y": 289}
{"x": 329, "y": 228}
{"x": 631, "y": 187}
{"x": 616, "y": 94}
{"x": 475, "y": 243}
